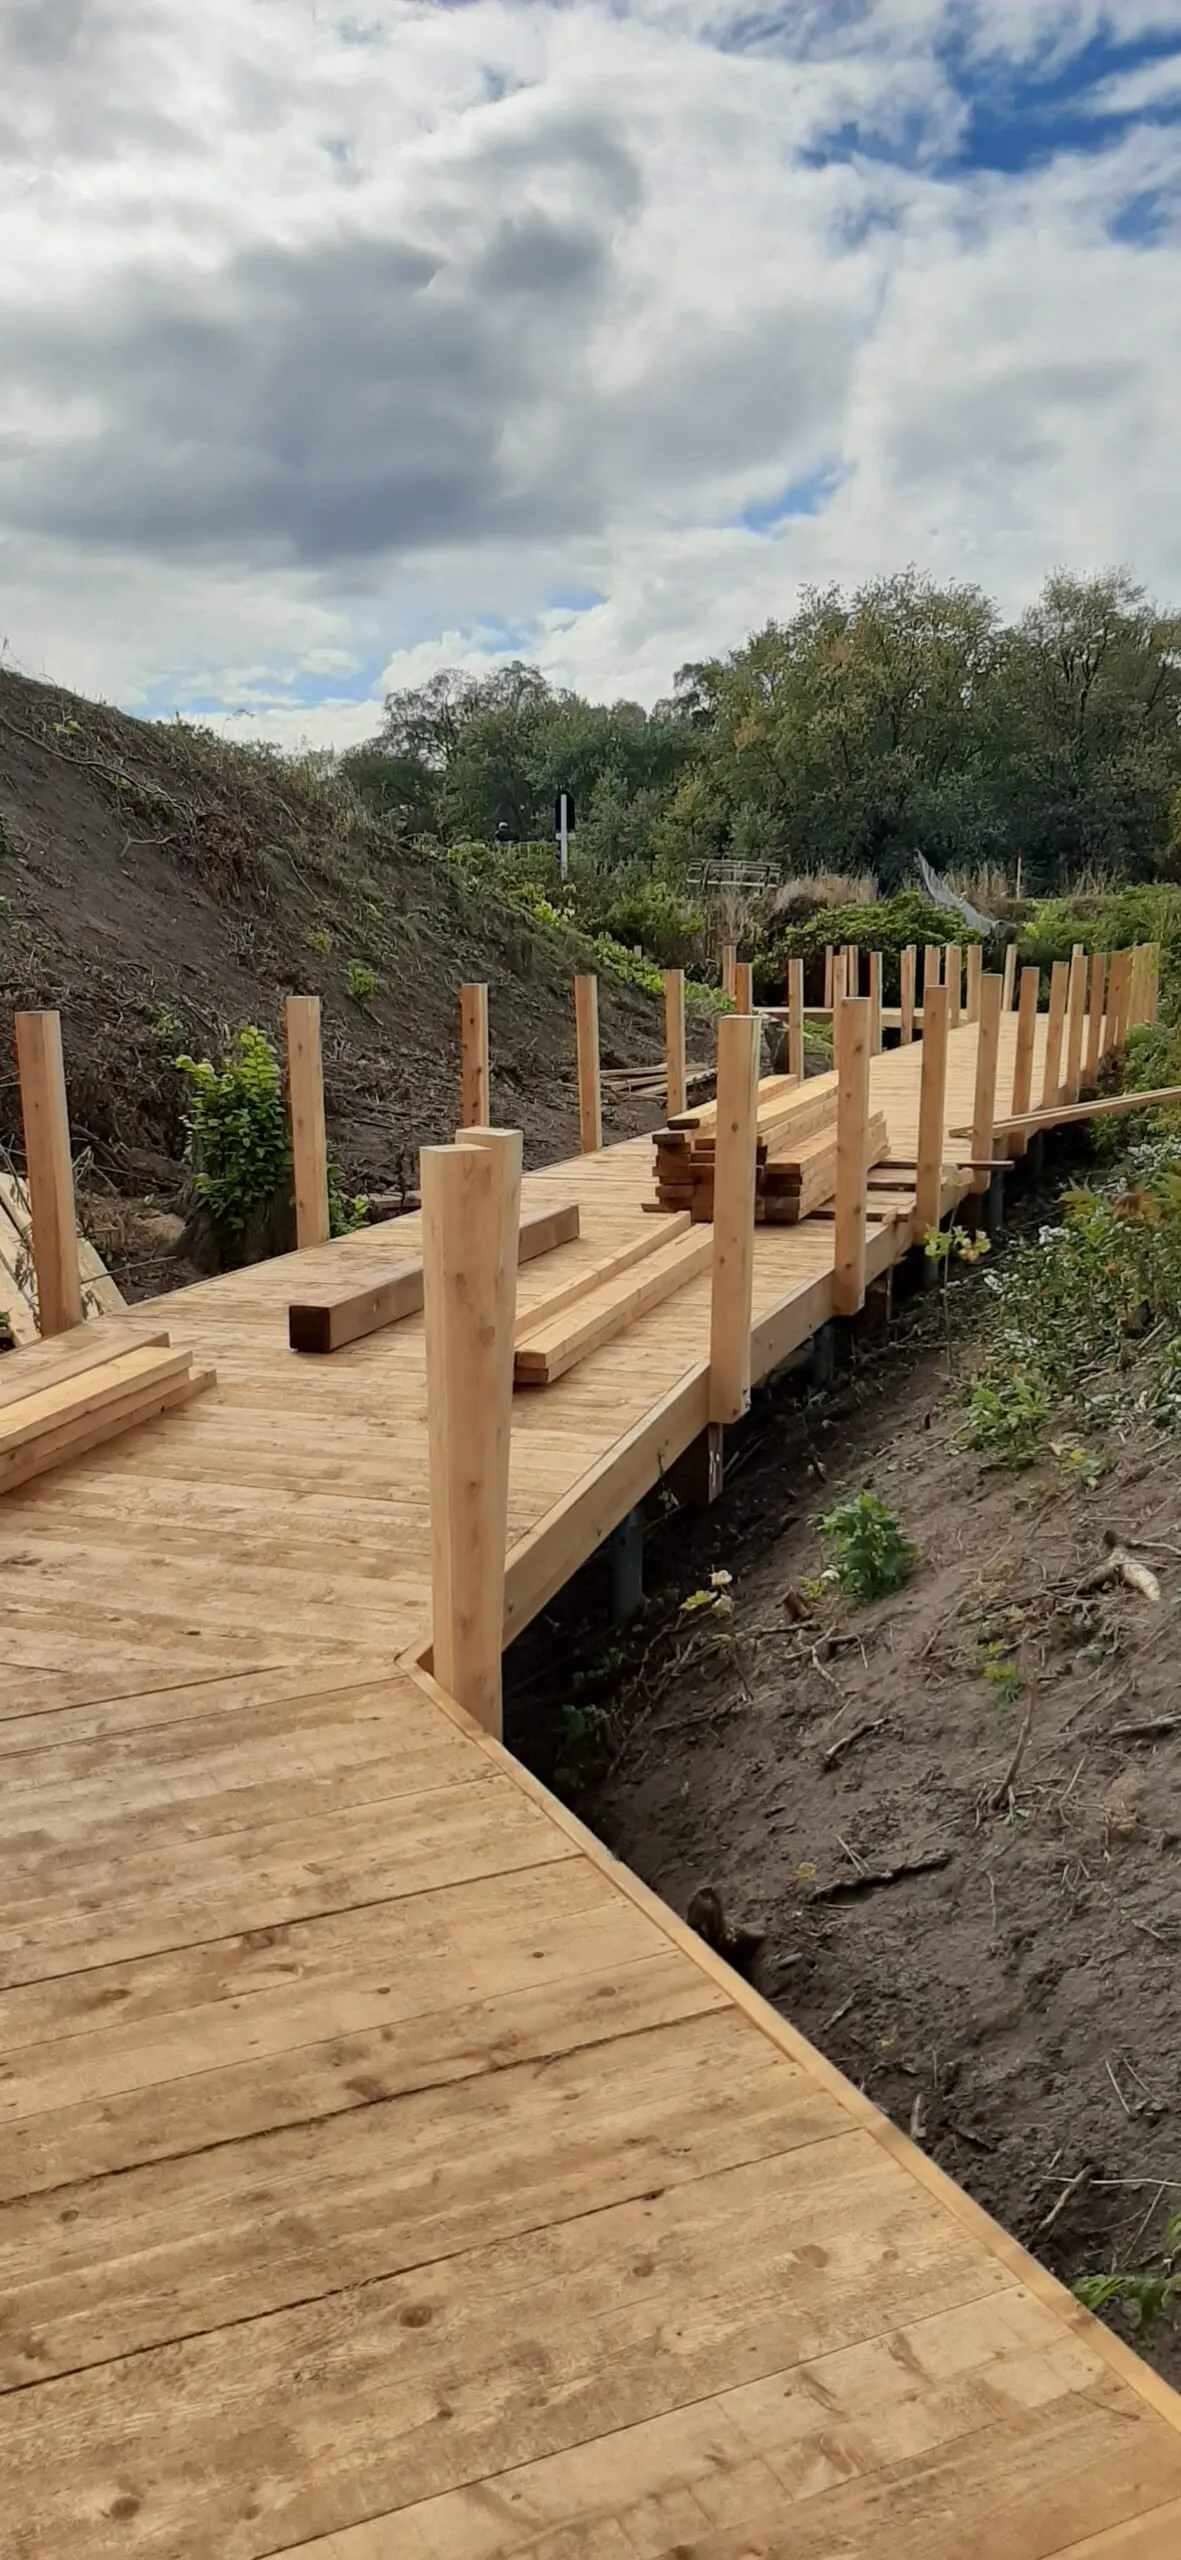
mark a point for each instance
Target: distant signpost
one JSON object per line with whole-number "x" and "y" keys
{"x": 563, "y": 829}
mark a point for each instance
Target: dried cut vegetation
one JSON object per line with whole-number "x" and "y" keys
{"x": 946, "y": 1818}
{"x": 163, "y": 889}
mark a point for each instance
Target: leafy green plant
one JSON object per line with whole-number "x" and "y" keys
{"x": 872, "y": 1556}
{"x": 318, "y": 938}
{"x": 344, "y": 1215}
{"x": 1007, "y": 1412}
{"x": 238, "y": 1129}
{"x": 1145, "y": 2295}
{"x": 362, "y": 981}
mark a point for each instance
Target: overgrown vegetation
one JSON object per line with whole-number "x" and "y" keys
{"x": 906, "y": 717}
{"x": 1145, "y": 2295}
{"x": 237, "y": 1124}
{"x": 872, "y": 1555}
{"x": 240, "y": 1143}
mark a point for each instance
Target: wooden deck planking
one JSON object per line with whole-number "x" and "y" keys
{"x": 385, "y": 2174}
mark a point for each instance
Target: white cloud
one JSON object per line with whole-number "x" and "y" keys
{"x": 339, "y": 346}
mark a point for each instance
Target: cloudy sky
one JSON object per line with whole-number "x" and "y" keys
{"x": 342, "y": 339}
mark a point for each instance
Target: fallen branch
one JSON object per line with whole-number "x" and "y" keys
{"x": 1148, "y": 1731}
{"x": 1119, "y": 1566}
{"x": 1070, "y": 2190}
{"x": 846, "y": 1887}
{"x": 1005, "y": 1788}
{"x": 856, "y": 1733}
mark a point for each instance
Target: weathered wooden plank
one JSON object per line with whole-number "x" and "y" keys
{"x": 327, "y": 1318}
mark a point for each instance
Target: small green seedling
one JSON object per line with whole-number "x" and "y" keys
{"x": 362, "y": 982}
{"x": 872, "y": 1556}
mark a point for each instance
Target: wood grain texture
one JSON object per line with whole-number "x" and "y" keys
{"x": 309, "y": 1137}
{"x": 46, "y": 1122}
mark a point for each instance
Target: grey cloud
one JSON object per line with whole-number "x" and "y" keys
{"x": 354, "y": 398}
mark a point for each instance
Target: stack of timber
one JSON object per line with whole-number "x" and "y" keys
{"x": 54, "y": 1408}
{"x": 597, "y": 1304}
{"x": 18, "y": 1288}
{"x": 796, "y": 1153}
{"x": 650, "y": 1084}
{"x": 329, "y": 1315}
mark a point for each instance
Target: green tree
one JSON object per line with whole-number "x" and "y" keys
{"x": 1086, "y": 729}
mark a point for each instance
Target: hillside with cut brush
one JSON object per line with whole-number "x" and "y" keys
{"x": 162, "y": 888}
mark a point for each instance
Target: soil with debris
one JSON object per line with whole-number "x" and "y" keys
{"x": 940, "y": 1831}
{"x": 160, "y": 889}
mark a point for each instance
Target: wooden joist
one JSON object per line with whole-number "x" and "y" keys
{"x": 544, "y": 1355}
{"x": 52, "y": 1423}
{"x": 1109, "y": 1106}
{"x": 530, "y": 1320}
{"x": 100, "y": 1294}
{"x": 325, "y": 1319}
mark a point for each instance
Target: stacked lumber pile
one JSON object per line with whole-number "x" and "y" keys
{"x": 55, "y": 1407}
{"x": 18, "y": 1292}
{"x": 650, "y": 1084}
{"x": 796, "y": 1153}
{"x": 604, "y": 1299}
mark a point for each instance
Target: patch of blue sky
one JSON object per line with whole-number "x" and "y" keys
{"x": 574, "y": 600}
{"x": 1021, "y": 116}
{"x": 806, "y": 497}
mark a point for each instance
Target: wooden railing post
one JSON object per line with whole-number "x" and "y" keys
{"x": 851, "y": 1054}
{"x": 1023, "y": 1053}
{"x": 953, "y": 979}
{"x": 975, "y": 972}
{"x": 590, "y": 1097}
{"x": 1121, "y": 973}
{"x": 1076, "y": 998}
{"x": 309, "y": 1140}
{"x": 932, "y": 967}
{"x": 729, "y": 964}
{"x": 828, "y": 973}
{"x": 932, "y": 1108}
{"x": 1052, "y": 1071}
{"x": 875, "y": 1001}
{"x": 906, "y": 983}
{"x": 1094, "y": 1018}
{"x": 1010, "y": 978}
{"x": 475, "y": 1101}
{"x": 795, "y": 1019}
{"x": 735, "y": 1141}
{"x": 744, "y": 987}
{"x": 471, "y": 1202}
{"x": 50, "y": 1171}
{"x": 674, "y": 1040}
{"x": 988, "y": 1041}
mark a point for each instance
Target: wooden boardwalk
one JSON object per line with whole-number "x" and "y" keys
{"x": 386, "y": 2174}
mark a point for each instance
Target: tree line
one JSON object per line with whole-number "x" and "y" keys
{"x": 906, "y": 718}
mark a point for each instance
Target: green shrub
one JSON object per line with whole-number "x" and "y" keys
{"x": 872, "y": 1556}
{"x": 344, "y": 1215}
{"x": 668, "y": 930}
{"x": 237, "y": 1124}
{"x": 887, "y": 927}
{"x": 1007, "y": 1412}
{"x": 362, "y": 981}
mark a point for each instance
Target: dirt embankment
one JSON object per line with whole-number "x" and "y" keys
{"x": 953, "y": 1816}
{"x": 159, "y": 888}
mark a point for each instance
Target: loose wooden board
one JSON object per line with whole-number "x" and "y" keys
{"x": 327, "y": 1318}
{"x": 144, "y": 1403}
{"x": 530, "y": 1320}
{"x": 546, "y": 1355}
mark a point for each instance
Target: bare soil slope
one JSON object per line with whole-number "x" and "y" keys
{"x": 159, "y": 887}
{"x": 952, "y": 1816}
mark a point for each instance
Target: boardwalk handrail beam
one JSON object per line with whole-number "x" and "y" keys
{"x": 731, "y": 1285}
{"x": 52, "y": 1215}
{"x": 590, "y": 1097}
{"x": 471, "y": 1207}
{"x": 475, "y": 1084}
{"x": 676, "y": 1086}
{"x": 309, "y": 1139}
{"x": 932, "y": 1103}
{"x": 851, "y": 1050}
